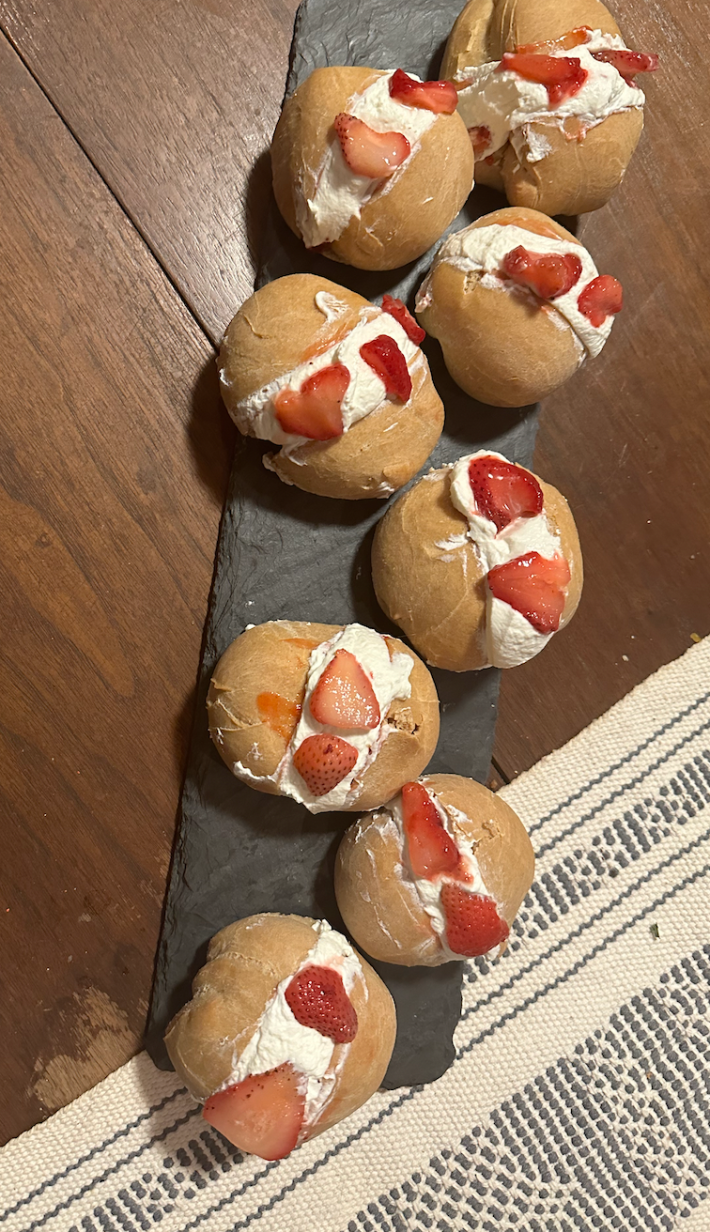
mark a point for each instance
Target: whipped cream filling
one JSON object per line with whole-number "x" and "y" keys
{"x": 279, "y": 1037}
{"x": 506, "y": 103}
{"x": 482, "y": 249}
{"x": 428, "y": 890}
{"x": 389, "y": 678}
{"x": 340, "y": 194}
{"x": 510, "y": 638}
{"x": 366, "y": 392}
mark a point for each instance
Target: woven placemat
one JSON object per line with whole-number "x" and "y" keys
{"x": 580, "y": 1096}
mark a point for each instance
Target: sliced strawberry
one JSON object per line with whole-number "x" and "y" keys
{"x": 503, "y": 491}
{"x": 547, "y": 274}
{"x": 343, "y": 696}
{"x": 262, "y": 1115}
{"x": 314, "y": 409}
{"x": 323, "y": 762}
{"x": 601, "y": 298}
{"x": 534, "y": 586}
{"x": 562, "y": 76}
{"x": 368, "y": 153}
{"x": 473, "y": 925}
{"x": 385, "y": 358}
{"x": 278, "y": 713}
{"x": 401, "y": 313}
{"x": 628, "y": 63}
{"x": 565, "y": 42}
{"x": 437, "y": 96}
{"x": 480, "y": 136}
{"x": 431, "y": 848}
{"x": 317, "y": 998}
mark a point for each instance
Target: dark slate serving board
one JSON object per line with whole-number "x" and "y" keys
{"x": 285, "y": 554}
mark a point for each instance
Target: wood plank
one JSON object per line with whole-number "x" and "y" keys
{"x": 175, "y": 104}
{"x": 113, "y": 463}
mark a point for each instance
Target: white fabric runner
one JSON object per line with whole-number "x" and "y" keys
{"x": 580, "y": 1096}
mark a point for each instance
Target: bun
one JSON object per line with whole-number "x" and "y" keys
{"x": 271, "y": 336}
{"x": 404, "y": 216}
{"x": 430, "y": 580}
{"x": 375, "y": 887}
{"x": 273, "y": 660}
{"x": 503, "y": 344}
{"x": 245, "y": 964}
{"x": 576, "y": 174}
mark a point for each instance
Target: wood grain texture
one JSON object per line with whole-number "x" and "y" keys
{"x": 113, "y": 463}
{"x": 174, "y": 102}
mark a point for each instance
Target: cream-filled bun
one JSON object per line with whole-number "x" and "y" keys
{"x": 555, "y": 132}
{"x": 340, "y": 384}
{"x": 334, "y": 716}
{"x": 517, "y": 305}
{"x": 288, "y": 1031}
{"x": 439, "y": 873}
{"x": 479, "y": 563}
{"x": 370, "y": 166}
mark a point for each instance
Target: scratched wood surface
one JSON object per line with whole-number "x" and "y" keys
{"x": 132, "y": 192}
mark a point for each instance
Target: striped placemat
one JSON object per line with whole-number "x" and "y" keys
{"x": 580, "y": 1096}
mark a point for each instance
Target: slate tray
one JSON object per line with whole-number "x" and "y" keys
{"x": 285, "y": 554}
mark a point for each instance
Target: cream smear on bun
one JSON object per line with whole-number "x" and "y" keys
{"x": 497, "y": 104}
{"x": 341, "y": 194}
{"x": 421, "y": 816}
{"x": 484, "y": 250}
{"x": 279, "y": 1038}
{"x": 352, "y": 681}
{"x": 365, "y": 392}
{"x": 511, "y": 636}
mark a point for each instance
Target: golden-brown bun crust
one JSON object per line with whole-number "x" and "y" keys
{"x": 273, "y": 658}
{"x": 437, "y": 595}
{"x": 574, "y": 177}
{"x": 501, "y": 346}
{"x": 404, "y": 217}
{"x": 245, "y": 963}
{"x": 382, "y": 910}
{"x": 270, "y": 335}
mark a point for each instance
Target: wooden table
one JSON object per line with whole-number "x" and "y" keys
{"x": 134, "y": 177}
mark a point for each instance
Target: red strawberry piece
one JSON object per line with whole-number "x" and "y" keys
{"x": 385, "y": 358}
{"x": 368, "y": 153}
{"x": 534, "y": 586}
{"x": 503, "y": 491}
{"x": 480, "y": 136}
{"x": 562, "y": 76}
{"x": 548, "y": 274}
{"x": 431, "y": 848}
{"x": 323, "y": 762}
{"x": 628, "y": 63}
{"x": 317, "y": 998}
{"x": 263, "y": 1115}
{"x": 565, "y": 42}
{"x": 437, "y": 96}
{"x": 401, "y": 313}
{"x": 473, "y": 926}
{"x": 601, "y": 298}
{"x": 343, "y": 696}
{"x": 314, "y": 409}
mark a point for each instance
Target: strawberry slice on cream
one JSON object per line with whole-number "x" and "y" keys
{"x": 367, "y": 152}
{"x": 263, "y": 1114}
{"x": 437, "y": 96}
